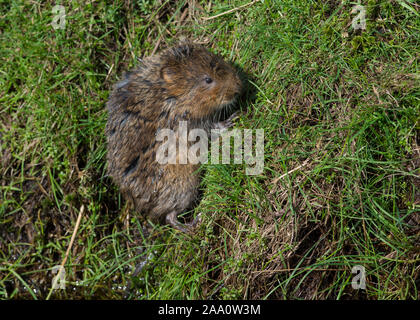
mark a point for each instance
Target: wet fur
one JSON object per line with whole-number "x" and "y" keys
{"x": 165, "y": 89}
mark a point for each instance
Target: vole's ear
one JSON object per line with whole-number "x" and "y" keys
{"x": 168, "y": 74}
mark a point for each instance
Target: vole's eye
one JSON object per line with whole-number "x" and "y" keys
{"x": 208, "y": 80}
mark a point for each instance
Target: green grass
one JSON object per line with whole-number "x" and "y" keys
{"x": 341, "y": 106}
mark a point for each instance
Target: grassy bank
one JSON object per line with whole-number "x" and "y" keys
{"x": 340, "y": 187}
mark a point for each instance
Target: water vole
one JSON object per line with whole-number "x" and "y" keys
{"x": 183, "y": 83}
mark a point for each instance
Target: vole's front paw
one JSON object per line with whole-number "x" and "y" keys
{"x": 228, "y": 123}
{"x": 222, "y": 126}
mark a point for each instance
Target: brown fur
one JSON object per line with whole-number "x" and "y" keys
{"x": 164, "y": 89}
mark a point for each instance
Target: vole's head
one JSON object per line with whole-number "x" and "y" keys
{"x": 202, "y": 80}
